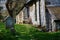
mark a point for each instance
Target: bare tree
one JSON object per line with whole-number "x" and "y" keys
{"x": 13, "y": 7}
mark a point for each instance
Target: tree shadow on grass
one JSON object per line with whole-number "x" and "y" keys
{"x": 7, "y": 35}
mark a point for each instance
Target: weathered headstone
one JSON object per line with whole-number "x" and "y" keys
{"x": 10, "y": 24}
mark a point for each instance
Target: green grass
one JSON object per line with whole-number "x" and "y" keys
{"x": 27, "y": 32}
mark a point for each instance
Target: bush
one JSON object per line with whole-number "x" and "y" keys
{"x": 1, "y": 17}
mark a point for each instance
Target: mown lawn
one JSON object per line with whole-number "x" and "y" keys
{"x": 27, "y": 32}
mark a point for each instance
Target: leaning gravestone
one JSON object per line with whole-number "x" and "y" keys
{"x": 10, "y": 24}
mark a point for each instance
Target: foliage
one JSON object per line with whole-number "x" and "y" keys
{"x": 14, "y": 6}
{"x": 1, "y": 17}
{"x": 27, "y": 32}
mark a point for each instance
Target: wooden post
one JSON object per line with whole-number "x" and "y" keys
{"x": 42, "y": 11}
{"x": 38, "y": 21}
{"x": 19, "y": 18}
{"x": 32, "y": 13}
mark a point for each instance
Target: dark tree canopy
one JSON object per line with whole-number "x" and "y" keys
{"x": 14, "y": 6}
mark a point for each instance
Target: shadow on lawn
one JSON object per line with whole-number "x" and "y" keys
{"x": 7, "y": 35}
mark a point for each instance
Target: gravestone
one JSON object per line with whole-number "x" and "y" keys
{"x": 10, "y": 24}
